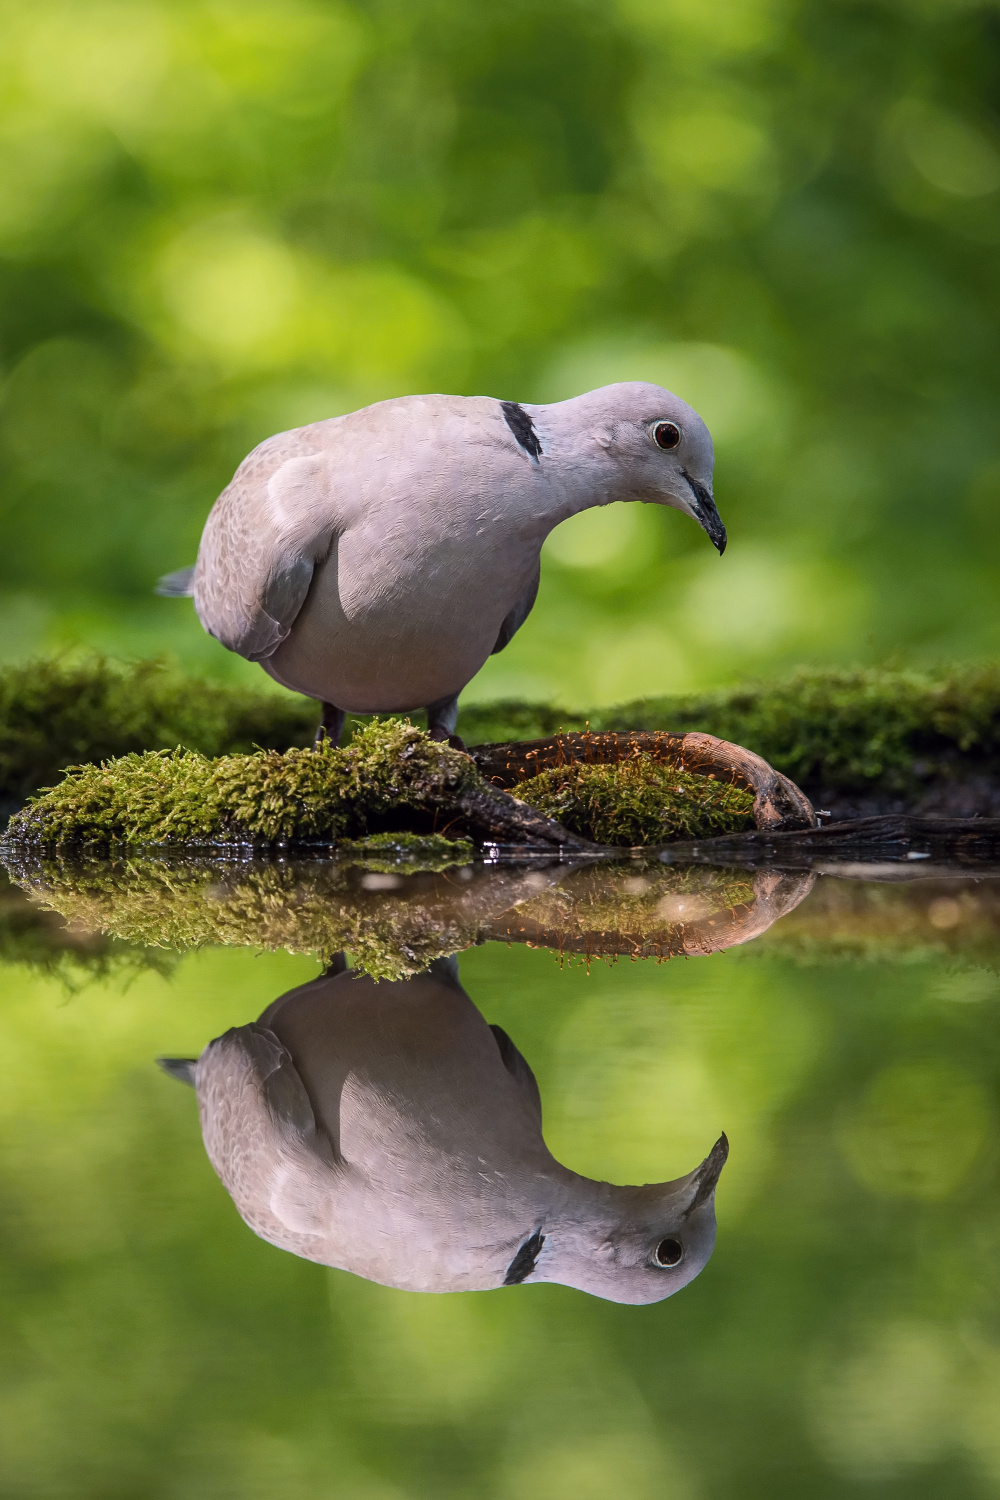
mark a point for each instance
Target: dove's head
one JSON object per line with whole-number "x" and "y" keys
{"x": 647, "y": 444}
{"x": 634, "y": 1244}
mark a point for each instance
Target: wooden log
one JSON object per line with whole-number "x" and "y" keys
{"x": 778, "y": 802}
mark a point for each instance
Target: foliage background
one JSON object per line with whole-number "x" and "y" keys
{"x": 219, "y": 219}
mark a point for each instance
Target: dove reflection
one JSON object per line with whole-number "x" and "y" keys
{"x": 386, "y": 1129}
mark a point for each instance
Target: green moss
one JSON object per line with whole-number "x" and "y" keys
{"x": 181, "y": 797}
{"x": 408, "y": 852}
{"x": 638, "y": 801}
{"x": 62, "y": 712}
{"x": 33, "y": 936}
{"x": 388, "y": 773}
{"x": 842, "y": 729}
{"x": 835, "y": 729}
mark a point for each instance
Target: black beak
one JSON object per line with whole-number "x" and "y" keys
{"x": 710, "y": 1170}
{"x": 706, "y": 514}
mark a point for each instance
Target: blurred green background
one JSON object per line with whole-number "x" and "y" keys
{"x": 220, "y": 219}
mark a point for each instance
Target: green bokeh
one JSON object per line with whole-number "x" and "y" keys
{"x": 218, "y": 220}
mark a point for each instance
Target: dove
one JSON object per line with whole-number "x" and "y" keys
{"x": 375, "y": 561}
{"x": 386, "y": 1129}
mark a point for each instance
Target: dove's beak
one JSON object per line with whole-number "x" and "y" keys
{"x": 704, "y": 1179}
{"x": 704, "y": 511}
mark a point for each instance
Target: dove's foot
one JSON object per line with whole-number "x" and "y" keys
{"x": 440, "y": 733}
{"x": 331, "y": 725}
{"x": 442, "y": 717}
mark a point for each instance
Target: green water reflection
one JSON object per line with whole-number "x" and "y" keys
{"x": 844, "y": 1339}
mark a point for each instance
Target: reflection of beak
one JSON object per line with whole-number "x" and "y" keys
{"x": 707, "y": 1175}
{"x": 704, "y": 511}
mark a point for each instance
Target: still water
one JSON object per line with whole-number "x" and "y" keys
{"x": 842, "y": 1340}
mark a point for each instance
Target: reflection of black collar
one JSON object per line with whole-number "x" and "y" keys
{"x": 524, "y": 1261}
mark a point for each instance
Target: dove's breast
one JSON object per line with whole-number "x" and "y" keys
{"x": 392, "y": 623}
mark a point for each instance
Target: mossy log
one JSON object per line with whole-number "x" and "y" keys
{"x": 865, "y": 741}
{"x": 869, "y": 741}
{"x": 393, "y": 778}
{"x": 777, "y": 802}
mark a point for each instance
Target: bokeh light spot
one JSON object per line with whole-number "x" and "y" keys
{"x": 104, "y": 60}
{"x": 949, "y": 153}
{"x": 596, "y": 538}
{"x": 891, "y": 1403}
{"x": 715, "y": 149}
{"x": 917, "y": 1130}
{"x": 232, "y": 289}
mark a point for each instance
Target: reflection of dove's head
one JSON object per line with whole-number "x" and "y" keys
{"x": 635, "y": 1244}
{"x": 386, "y": 1129}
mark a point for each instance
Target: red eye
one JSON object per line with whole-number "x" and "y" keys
{"x": 666, "y": 435}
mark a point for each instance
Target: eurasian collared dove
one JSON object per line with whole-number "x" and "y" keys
{"x": 375, "y": 561}
{"x": 386, "y": 1129}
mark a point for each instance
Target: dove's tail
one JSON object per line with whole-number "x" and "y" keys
{"x": 179, "y": 585}
{"x": 181, "y": 1068}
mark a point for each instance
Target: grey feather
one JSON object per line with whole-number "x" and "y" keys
{"x": 281, "y": 598}
{"x": 179, "y": 585}
{"x": 260, "y": 545}
{"x": 522, "y": 609}
{"x": 261, "y": 1136}
{"x": 181, "y": 1068}
{"x": 519, "y": 1069}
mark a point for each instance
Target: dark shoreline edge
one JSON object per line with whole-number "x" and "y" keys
{"x": 914, "y": 847}
{"x": 917, "y": 846}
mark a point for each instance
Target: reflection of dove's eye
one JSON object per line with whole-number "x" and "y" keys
{"x": 669, "y": 1252}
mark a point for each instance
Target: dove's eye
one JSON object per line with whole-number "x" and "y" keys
{"x": 666, "y": 435}
{"x": 669, "y": 1252}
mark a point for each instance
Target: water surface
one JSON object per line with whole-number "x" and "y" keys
{"x": 843, "y": 1340}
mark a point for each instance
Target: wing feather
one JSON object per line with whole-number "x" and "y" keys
{"x": 266, "y": 533}
{"x": 517, "y": 616}
{"x": 261, "y": 1137}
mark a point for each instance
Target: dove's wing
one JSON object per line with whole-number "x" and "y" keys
{"x": 266, "y": 533}
{"x": 517, "y": 616}
{"x": 261, "y": 1137}
{"x": 520, "y": 1070}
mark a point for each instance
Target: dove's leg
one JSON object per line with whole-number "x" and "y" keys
{"x": 442, "y": 717}
{"x": 331, "y": 725}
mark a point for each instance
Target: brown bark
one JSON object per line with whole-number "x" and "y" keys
{"x": 778, "y": 802}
